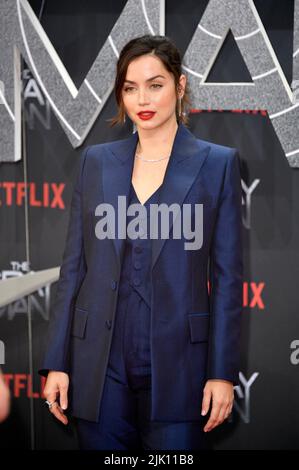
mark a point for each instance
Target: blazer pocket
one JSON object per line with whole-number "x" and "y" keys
{"x": 199, "y": 327}
{"x": 79, "y": 322}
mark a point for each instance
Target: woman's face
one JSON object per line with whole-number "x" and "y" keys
{"x": 142, "y": 92}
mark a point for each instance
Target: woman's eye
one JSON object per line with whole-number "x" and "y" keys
{"x": 155, "y": 85}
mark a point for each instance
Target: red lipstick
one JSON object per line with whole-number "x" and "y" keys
{"x": 145, "y": 115}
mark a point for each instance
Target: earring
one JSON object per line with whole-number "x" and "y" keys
{"x": 180, "y": 106}
{"x": 124, "y": 118}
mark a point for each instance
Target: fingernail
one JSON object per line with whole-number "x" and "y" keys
{"x": 203, "y": 412}
{"x": 64, "y": 407}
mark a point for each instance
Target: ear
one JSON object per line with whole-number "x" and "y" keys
{"x": 182, "y": 84}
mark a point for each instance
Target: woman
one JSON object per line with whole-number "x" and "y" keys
{"x": 138, "y": 351}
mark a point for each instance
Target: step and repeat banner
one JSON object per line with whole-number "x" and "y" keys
{"x": 57, "y": 66}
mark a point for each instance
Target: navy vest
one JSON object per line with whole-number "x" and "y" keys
{"x": 131, "y": 334}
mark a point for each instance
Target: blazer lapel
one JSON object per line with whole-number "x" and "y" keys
{"x": 180, "y": 174}
{"x": 117, "y": 176}
{"x": 187, "y": 157}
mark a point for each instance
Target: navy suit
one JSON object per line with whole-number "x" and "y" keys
{"x": 194, "y": 335}
{"x": 124, "y": 421}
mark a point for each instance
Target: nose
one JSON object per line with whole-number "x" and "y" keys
{"x": 142, "y": 97}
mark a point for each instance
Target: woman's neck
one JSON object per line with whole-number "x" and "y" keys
{"x": 158, "y": 142}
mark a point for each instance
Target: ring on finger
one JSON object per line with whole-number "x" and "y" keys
{"x": 50, "y": 404}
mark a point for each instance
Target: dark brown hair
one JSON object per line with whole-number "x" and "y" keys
{"x": 165, "y": 49}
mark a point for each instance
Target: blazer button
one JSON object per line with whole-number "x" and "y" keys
{"x": 137, "y": 265}
{"x": 108, "y": 324}
{"x": 136, "y": 281}
{"x": 113, "y": 284}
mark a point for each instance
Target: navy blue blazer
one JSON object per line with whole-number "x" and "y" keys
{"x": 195, "y": 333}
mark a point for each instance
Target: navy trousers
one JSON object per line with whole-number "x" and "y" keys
{"x": 124, "y": 425}
{"x": 124, "y": 420}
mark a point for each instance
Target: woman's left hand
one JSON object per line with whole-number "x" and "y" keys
{"x": 222, "y": 394}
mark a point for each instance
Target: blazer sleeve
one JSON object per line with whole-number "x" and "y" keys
{"x": 226, "y": 278}
{"x": 70, "y": 278}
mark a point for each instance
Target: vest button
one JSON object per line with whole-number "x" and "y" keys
{"x": 138, "y": 249}
{"x": 136, "y": 281}
{"x": 108, "y": 324}
{"x": 113, "y": 284}
{"x": 137, "y": 265}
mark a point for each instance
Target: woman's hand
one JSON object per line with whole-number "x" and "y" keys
{"x": 222, "y": 394}
{"x": 57, "y": 385}
{"x": 4, "y": 399}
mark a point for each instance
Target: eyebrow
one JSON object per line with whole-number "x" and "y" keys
{"x": 148, "y": 80}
